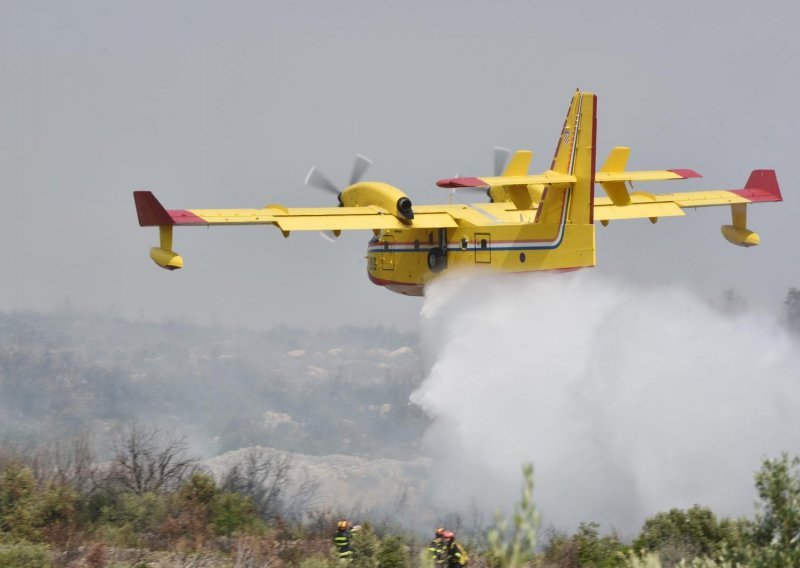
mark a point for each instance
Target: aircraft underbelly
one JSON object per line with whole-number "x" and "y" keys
{"x": 401, "y": 261}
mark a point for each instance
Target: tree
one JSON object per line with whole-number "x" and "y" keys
{"x": 513, "y": 546}
{"x": 365, "y": 548}
{"x": 792, "y": 309}
{"x": 585, "y": 548}
{"x": 144, "y": 462}
{"x": 261, "y": 476}
{"x": 393, "y": 553}
{"x": 683, "y": 535}
{"x": 777, "y": 520}
{"x": 18, "y": 514}
{"x": 731, "y": 303}
{"x": 190, "y": 511}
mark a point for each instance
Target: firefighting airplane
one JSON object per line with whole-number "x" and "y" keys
{"x": 530, "y": 222}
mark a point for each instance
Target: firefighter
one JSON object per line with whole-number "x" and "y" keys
{"x": 456, "y": 556}
{"x": 438, "y": 548}
{"x": 342, "y": 539}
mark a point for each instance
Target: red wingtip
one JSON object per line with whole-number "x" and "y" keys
{"x": 762, "y": 185}
{"x": 765, "y": 180}
{"x": 150, "y": 211}
{"x": 686, "y": 173}
{"x": 461, "y": 182}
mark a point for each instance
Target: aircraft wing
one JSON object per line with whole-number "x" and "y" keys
{"x": 152, "y": 213}
{"x": 651, "y": 175}
{"x": 762, "y": 186}
{"x": 545, "y": 178}
{"x": 551, "y": 177}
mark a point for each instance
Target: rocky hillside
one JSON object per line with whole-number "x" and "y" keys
{"x": 338, "y": 392}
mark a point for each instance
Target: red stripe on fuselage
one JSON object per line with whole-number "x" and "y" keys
{"x": 594, "y": 157}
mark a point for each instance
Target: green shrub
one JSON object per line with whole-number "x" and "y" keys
{"x": 512, "y": 546}
{"x": 393, "y": 553}
{"x": 232, "y": 512}
{"x": 599, "y": 551}
{"x": 129, "y": 518}
{"x": 365, "y": 548}
{"x": 315, "y": 561}
{"x": 585, "y": 548}
{"x": 695, "y": 533}
{"x": 18, "y": 515}
{"x": 777, "y": 522}
{"x": 25, "y": 556}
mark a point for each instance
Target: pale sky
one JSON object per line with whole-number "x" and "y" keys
{"x": 212, "y": 104}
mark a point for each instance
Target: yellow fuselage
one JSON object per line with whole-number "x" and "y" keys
{"x": 405, "y": 260}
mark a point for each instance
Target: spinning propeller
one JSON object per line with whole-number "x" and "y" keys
{"x": 500, "y": 160}
{"x": 316, "y": 178}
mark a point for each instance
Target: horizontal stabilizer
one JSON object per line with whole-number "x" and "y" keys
{"x": 545, "y": 178}
{"x": 555, "y": 177}
{"x": 651, "y": 175}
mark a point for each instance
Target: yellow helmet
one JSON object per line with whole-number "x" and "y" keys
{"x": 342, "y": 525}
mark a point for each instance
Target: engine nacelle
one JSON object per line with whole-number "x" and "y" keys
{"x": 166, "y": 258}
{"x": 740, "y": 236}
{"x": 381, "y": 195}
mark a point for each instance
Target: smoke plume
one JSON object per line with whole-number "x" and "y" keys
{"x": 628, "y": 401}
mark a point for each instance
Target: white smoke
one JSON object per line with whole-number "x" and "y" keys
{"x": 628, "y": 401}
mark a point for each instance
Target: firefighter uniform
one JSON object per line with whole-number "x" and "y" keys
{"x": 342, "y": 539}
{"x": 438, "y": 549}
{"x": 456, "y": 556}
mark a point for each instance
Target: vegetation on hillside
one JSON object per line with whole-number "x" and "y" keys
{"x": 135, "y": 496}
{"x": 152, "y": 505}
{"x": 347, "y": 391}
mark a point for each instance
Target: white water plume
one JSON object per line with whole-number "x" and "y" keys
{"x": 628, "y": 401}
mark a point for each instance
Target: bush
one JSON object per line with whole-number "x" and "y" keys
{"x": 127, "y": 519}
{"x": 315, "y": 561}
{"x": 393, "y": 553}
{"x": 513, "y": 546}
{"x": 17, "y": 502}
{"x": 231, "y": 513}
{"x": 695, "y": 533}
{"x": 25, "y": 556}
{"x": 778, "y": 517}
{"x": 586, "y": 548}
{"x": 365, "y": 548}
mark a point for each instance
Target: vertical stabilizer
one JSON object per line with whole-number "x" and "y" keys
{"x": 575, "y": 155}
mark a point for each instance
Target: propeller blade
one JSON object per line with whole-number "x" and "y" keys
{"x": 329, "y": 236}
{"x": 360, "y": 166}
{"x": 500, "y": 159}
{"x": 317, "y": 179}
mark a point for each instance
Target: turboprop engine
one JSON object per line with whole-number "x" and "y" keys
{"x": 378, "y": 194}
{"x": 365, "y": 193}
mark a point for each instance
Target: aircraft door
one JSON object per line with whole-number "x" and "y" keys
{"x": 387, "y": 252}
{"x": 483, "y": 248}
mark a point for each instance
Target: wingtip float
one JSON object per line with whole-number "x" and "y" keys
{"x": 530, "y": 222}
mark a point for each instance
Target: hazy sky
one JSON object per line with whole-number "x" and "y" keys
{"x": 213, "y": 104}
